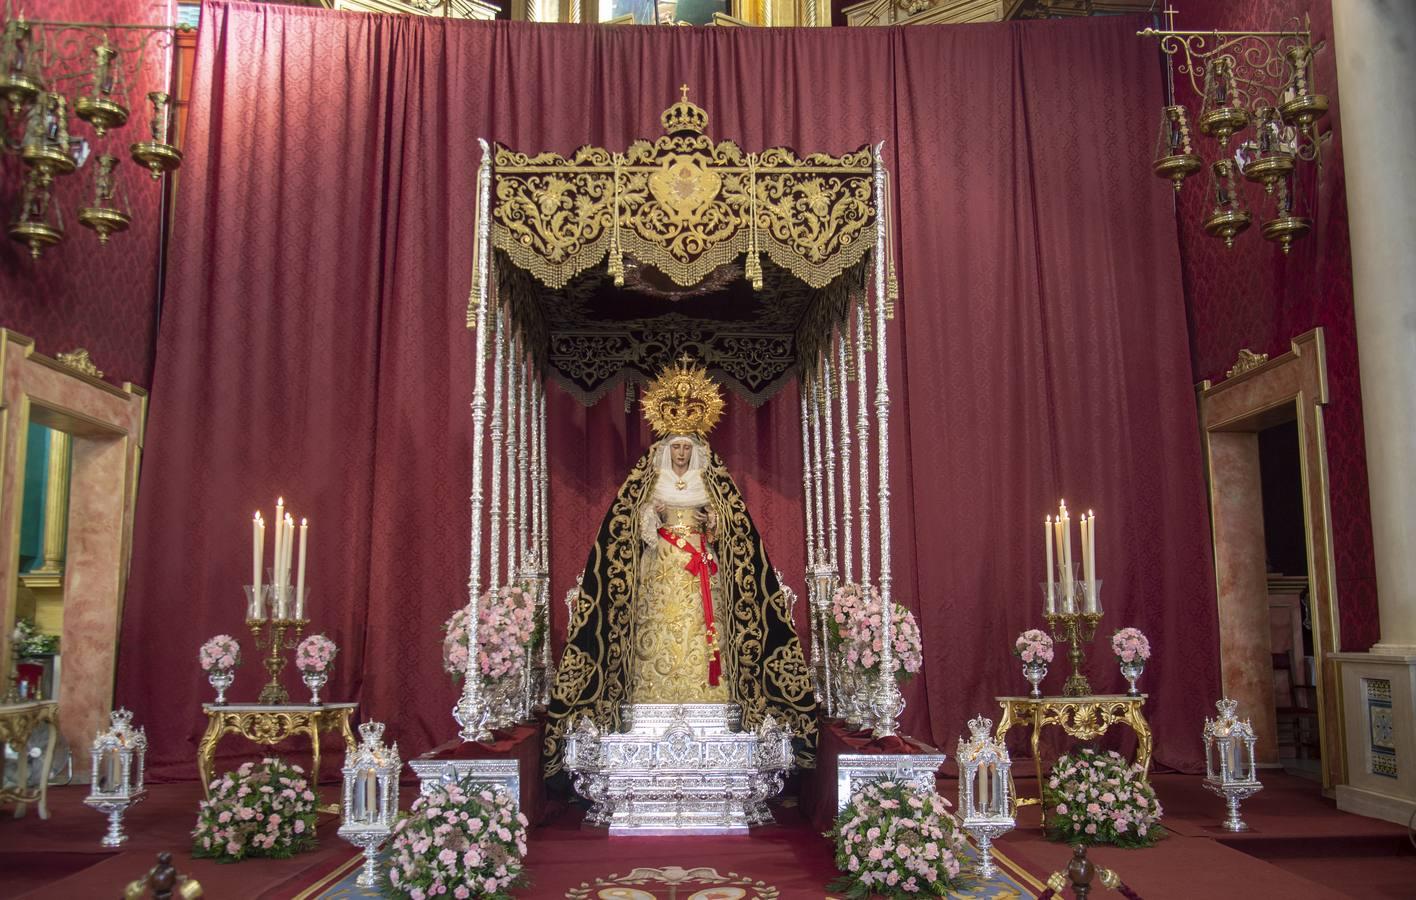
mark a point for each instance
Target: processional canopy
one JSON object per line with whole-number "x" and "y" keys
{"x": 746, "y": 260}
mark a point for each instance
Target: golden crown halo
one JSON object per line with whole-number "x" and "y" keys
{"x": 683, "y": 400}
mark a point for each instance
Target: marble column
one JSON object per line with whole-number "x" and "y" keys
{"x": 56, "y": 503}
{"x": 1246, "y": 663}
{"x": 1376, "y": 69}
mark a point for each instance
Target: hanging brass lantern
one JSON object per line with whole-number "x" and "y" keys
{"x": 1228, "y": 217}
{"x": 106, "y": 214}
{"x": 1301, "y": 106}
{"x": 37, "y": 220}
{"x": 1285, "y": 226}
{"x": 1268, "y": 158}
{"x": 45, "y": 146}
{"x": 157, "y": 155}
{"x": 1221, "y": 113}
{"x": 1174, "y": 157}
{"x": 100, "y": 107}
{"x": 20, "y": 79}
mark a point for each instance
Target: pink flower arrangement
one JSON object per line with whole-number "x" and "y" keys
{"x": 462, "y": 840}
{"x": 506, "y": 628}
{"x": 1033, "y": 646}
{"x": 855, "y": 631}
{"x": 315, "y": 654}
{"x": 1100, "y": 798}
{"x": 1130, "y": 645}
{"x": 894, "y": 840}
{"x": 262, "y": 809}
{"x": 221, "y": 652}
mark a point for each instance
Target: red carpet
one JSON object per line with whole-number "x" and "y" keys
{"x": 1301, "y": 846}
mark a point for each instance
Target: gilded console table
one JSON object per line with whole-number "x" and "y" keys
{"x": 17, "y": 723}
{"x": 269, "y": 725}
{"x": 1084, "y": 718}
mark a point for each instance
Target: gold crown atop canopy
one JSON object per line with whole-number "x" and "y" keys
{"x": 684, "y": 116}
{"x": 683, "y": 400}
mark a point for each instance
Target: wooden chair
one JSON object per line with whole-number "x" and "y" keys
{"x": 1298, "y": 717}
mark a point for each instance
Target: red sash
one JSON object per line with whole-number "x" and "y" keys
{"x": 699, "y": 564}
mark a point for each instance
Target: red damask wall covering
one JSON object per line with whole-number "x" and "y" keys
{"x": 1254, "y": 297}
{"x": 81, "y": 293}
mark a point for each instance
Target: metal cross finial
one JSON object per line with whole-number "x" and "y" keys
{"x": 684, "y": 89}
{"x": 1169, "y": 13}
{"x": 686, "y": 359}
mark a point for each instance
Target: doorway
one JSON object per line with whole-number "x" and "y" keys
{"x": 1273, "y": 554}
{"x": 1289, "y": 601}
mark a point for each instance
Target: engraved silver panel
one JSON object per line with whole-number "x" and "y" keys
{"x": 854, "y": 769}
{"x": 503, "y": 772}
{"x": 679, "y": 769}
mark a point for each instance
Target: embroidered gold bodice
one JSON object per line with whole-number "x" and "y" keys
{"x": 671, "y": 646}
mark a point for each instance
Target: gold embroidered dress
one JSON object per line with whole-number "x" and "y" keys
{"x": 672, "y": 652}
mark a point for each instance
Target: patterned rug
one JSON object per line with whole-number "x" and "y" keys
{"x": 702, "y": 882}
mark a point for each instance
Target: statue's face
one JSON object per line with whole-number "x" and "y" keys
{"x": 681, "y": 453}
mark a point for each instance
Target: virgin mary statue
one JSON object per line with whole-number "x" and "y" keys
{"x": 679, "y": 603}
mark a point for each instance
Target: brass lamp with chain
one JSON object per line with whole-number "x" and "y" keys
{"x": 1259, "y": 80}
{"x": 51, "y": 70}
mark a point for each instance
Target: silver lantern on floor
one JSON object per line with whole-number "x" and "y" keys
{"x": 370, "y": 805}
{"x": 116, "y": 779}
{"x": 1230, "y": 769}
{"x": 985, "y": 801}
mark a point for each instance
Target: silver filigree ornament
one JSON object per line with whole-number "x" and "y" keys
{"x": 119, "y": 761}
{"x": 370, "y": 806}
{"x": 1230, "y": 767}
{"x": 985, "y": 793}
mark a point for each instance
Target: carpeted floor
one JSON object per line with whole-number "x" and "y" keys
{"x": 1300, "y": 846}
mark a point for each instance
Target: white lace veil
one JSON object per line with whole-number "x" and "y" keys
{"x": 665, "y": 486}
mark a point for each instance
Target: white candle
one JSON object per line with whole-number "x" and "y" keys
{"x": 256, "y": 551}
{"x": 1086, "y": 566}
{"x": 1091, "y": 559}
{"x": 1051, "y": 589}
{"x": 1068, "y": 586}
{"x": 285, "y": 570}
{"x": 300, "y": 576}
{"x": 276, "y": 580}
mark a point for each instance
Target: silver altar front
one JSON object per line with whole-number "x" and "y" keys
{"x": 855, "y": 769}
{"x": 678, "y": 769}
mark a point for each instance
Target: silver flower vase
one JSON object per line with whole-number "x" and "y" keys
{"x": 221, "y": 680}
{"x": 314, "y": 681}
{"x": 1034, "y": 672}
{"x": 1131, "y": 671}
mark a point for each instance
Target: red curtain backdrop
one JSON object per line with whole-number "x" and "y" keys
{"x": 1254, "y": 297}
{"x": 313, "y": 342}
{"x": 82, "y": 293}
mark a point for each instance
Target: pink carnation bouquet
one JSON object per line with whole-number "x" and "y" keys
{"x": 462, "y": 840}
{"x": 856, "y": 632}
{"x": 506, "y": 628}
{"x": 220, "y": 653}
{"x": 262, "y": 809}
{"x": 1033, "y": 646}
{"x": 1130, "y": 645}
{"x": 315, "y": 654}
{"x": 894, "y": 840}
{"x": 1099, "y": 798}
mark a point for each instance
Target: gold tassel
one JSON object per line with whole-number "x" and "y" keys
{"x": 616, "y": 252}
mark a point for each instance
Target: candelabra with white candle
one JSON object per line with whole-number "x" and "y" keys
{"x": 1072, "y": 606}
{"x": 276, "y": 607}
